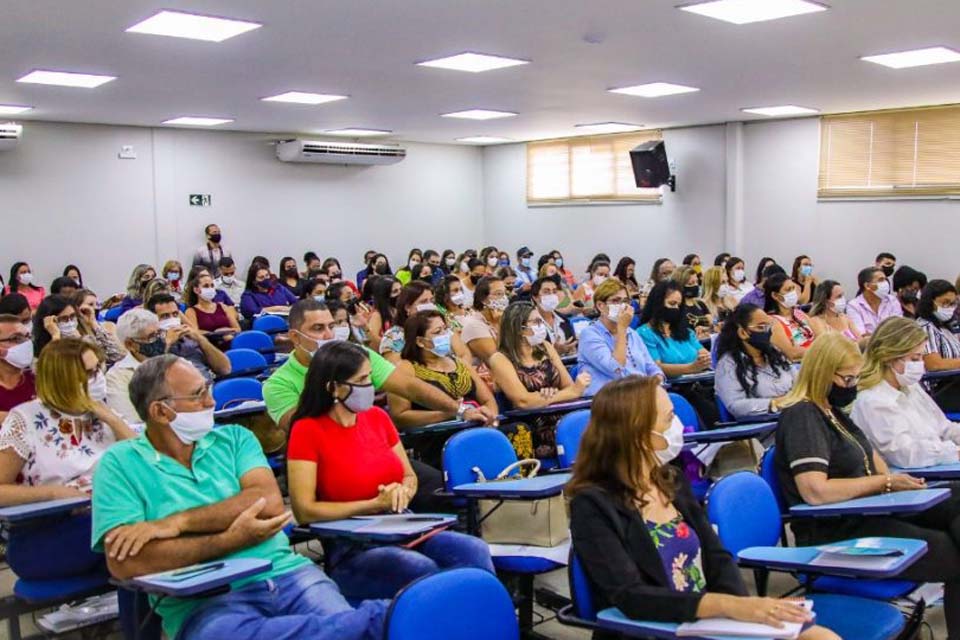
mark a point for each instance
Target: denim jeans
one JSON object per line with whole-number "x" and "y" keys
{"x": 301, "y": 604}
{"x": 380, "y": 572}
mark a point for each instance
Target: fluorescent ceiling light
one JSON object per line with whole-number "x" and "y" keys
{"x": 746, "y": 11}
{"x": 473, "y": 62}
{"x": 66, "y": 79}
{"x": 13, "y": 109}
{"x": 301, "y": 97}
{"x": 484, "y": 139}
{"x": 780, "y": 111}
{"x": 915, "y": 58}
{"x": 609, "y": 127}
{"x": 358, "y": 132}
{"x": 195, "y": 27}
{"x": 654, "y": 90}
{"x": 479, "y": 114}
{"x": 198, "y": 121}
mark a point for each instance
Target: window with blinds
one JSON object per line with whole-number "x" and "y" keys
{"x": 907, "y": 152}
{"x": 587, "y": 169}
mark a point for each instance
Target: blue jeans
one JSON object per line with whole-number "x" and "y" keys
{"x": 380, "y": 572}
{"x": 301, "y": 604}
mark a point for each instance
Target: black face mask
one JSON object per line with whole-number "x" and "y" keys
{"x": 381, "y": 269}
{"x": 692, "y": 291}
{"x": 760, "y": 339}
{"x": 671, "y": 315}
{"x": 475, "y": 280}
{"x": 909, "y": 296}
{"x": 264, "y": 284}
{"x": 887, "y": 271}
{"x": 215, "y": 237}
{"x": 291, "y": 272}
{"x": 840, "y": 397}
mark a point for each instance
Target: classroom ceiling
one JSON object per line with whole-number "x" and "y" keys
{"x": 367, "y": 49}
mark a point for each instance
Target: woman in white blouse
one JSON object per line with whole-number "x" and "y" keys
{"x": 50, "y": 446}
{"x": 902, "y": 421}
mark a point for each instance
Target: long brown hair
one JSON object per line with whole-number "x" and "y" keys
{"x": 616, "y": 453}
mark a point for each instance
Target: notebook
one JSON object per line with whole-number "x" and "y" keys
{"x": 865, "y": 553}
{"x": 727, "y": 627}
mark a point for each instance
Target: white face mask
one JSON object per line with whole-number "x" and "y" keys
{"x": 21, "y": 355}
{"x": 169, "y": 323}
{"x": 913, "y": 371}
{"x": 341, "y": 333}
{"x": 738, "y": 275}
{"x": 674, "y": 437}
{"x": 227, "y": 279}
{"x": 840, "y": 305}
{"x": 426, "y": 306}
{"x": 945, "y": 314}
{"x": 208, "y": 293}
{"x": 191, "y": 426}
{"x": 25, "y": 278}
{"x": 883, "y": 289}
{"x": 69, "y": 329}
{"x": 464, "y": 268}
{"x": 317, "y": 341}
{"x": 549, "y": 302}
{"x": 790, "y": 299}
{"x": 614, "y": 311}
{"x": 539, "y": 335}
{"x": 97, "y": 388}
{"x": 458, "y": 298}
{"x": 493, "y": 261}
{"x": 598, "y": 280}
{"x": 498, "y": 304}
{"x": 450, "y": 261}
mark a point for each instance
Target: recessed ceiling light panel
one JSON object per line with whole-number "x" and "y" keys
{"x": 13, "y": 109}
{"x": 358, "y": 132}
{"x": 302, "y": 97}
{"x": 608, "y": 127}
{"x": 780, "y": 111}
{"x": 177, "y": 24}
{"x": 65, "y": 79}
{"x": 198, "y": 121}
{"x": 473, "y": 62}
{"x": 484, "y": 139}
{"x": 479, "y": 114}
{"x": 915, "y": 58}
{"x": 747, "y": 11}
{"x": 654, "y": 90}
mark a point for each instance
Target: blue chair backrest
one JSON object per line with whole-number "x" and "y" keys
{"x": 580, "y": 590}
{"x": 574, "y": 370}
{"x": 738, "y": 494}
{"x": 271, "y": 324}
{"x": 768, "y": 471}
{"x": 725, "y": 415}
{"x": 256, "y": 340}
{"x": 685, "y": 411}
{"x": 113, "y": 314}
{"x": 569, "y": 431}
{"x": 481, "y": 447}
{"x": 460, "y": 604}
{"x": 246, "y": 362}
{"x": 228, "y": 393}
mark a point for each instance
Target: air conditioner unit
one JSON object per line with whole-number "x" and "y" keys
{"x": 338, "y": 152}
{"x": 9, "y": 135}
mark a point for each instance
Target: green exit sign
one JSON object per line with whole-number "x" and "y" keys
{"x": 200, "y": 200}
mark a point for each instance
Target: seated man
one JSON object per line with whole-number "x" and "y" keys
{"x": 186, "y": 341}
{"x": 184, "y": 493}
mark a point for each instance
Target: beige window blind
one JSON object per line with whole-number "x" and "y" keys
{"x": 906, "y": 152}
{"x": 587, "y": 169}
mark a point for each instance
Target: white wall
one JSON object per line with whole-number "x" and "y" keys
{"x": 690, "y": 220}
{"x": 66, "y": 197}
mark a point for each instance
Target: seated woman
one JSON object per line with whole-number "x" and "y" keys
{"x": 822, "y": 457}
{"x": 528, "y": 370}
{"x": 693, "y": 261}
{"x": 104, "y": 335}
{"x": 793, "y": 334}
{"x": 345, "y": 459}
{"x": 829, "y": 312}
{"x": 54, "y": 319}
{"x": 565, "y": 308}
{"x": 21, "y": 281}
{"x": 213, "y": 319}
{"x": 903, "y": 423}
{"x": 737, "y": 285}
{"x": 385, "y": 292}
{"x": 752, "y": 376}
{"x": 626, "y": 274}
{"x": 342, "y": 323}
{"x": 405, "y": 273}
{"x": 907, "y": 284}
{"x": 716, "y": 295}
{"x": 451, "y": 302}
{"x": 290, "y": 277}
{"x": 694, "y": 309}
{"x": 643, "y": 539}
{"x": 139, "y": 278}
{"x": 263, "y": 294}
{"x": 935, "y": 313}
{"x": 316, "y": 288}
{"x": 661, "y": 271}
{"x": 469, "y": 279}
{"x": 565, "y": 273}
{"x": 802, "y": 274}
{"x": 414, "y": 298}
{"x": 509, "y": 277}
{"x": 173, "y": 273}
{"x": 544, "y": 293}
{"x": 481, "y": 331}
{"x": 598, "y": 272}
{"x": 72, "y": 271}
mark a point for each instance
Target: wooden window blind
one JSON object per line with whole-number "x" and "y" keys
{"x": 586, "y": 169}
{"x": 906, "y": 152}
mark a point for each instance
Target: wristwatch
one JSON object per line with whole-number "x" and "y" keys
{"x": 462, "y": 410}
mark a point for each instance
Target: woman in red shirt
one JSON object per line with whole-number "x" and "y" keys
{"x": 345, "y": 459}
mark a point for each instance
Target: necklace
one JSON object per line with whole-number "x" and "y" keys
{"x": 849, "y": 436}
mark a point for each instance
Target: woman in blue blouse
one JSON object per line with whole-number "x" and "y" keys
{"x": 264, "y": 294}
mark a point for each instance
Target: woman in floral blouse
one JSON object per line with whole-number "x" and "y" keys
{"x": 50, "y": 446}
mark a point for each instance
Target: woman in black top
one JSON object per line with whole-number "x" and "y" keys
{"x": 822, "y": 457}
{"x": 645, "y": 543}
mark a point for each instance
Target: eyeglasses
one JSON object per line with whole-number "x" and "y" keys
{"x": 200, "y": 396}
{"x": 534, "y": 323}
{"x": 159, "y": 333}
{"x": 617, "y": 300}
{"x": 848, "y": 381}
{"x": 16, "y": 338}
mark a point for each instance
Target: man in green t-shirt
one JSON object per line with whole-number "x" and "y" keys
{"x": 184, "y": 493}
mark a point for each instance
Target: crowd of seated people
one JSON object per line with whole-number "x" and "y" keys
{"x": 120, "y": 407}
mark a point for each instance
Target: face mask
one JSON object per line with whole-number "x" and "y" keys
{"x": 426, "y": 306}
{"x": 492, "y": 261}
{"x": 191, "y": 426}
{"x": 598, "y": 280}
{"x": 215, "y": 237}
{"x": 549, "y": 302}
{"x": 97, "y": 388}
{"x": 945, "y": 314}
{"x": 170, "y": 323}
{"x": 614, "y": 311}
{"x": 318, "y": 342}
{"x": 539, "y": 335}
{"x": 151, "y": 349}
{"x": 887, "y": 270}
{"x": 320, "y": 298}
{"x": 414, "y": 264}
{"x": 25, "y": 278}
{"x": 498, "y": 304}
{"x": 913, "y": 371}
{"x": 806, "y": 270}
{"x": 760, "y": 339}
{"x": 381, "y": 269}
{"x": 674, "y": 437}
{"x": 208, "y": 293}
{"x": 227, "y": 279}
{"x": 464, "y": 268}
{"x": 263, "y": 284}
{"x": 697, "y": 269}
{"x": 790, "y": 299}
{"x": 173, "y": 276}
{"x": 458, "y": 298}
{"x": 341, "y": 333}
{"x": 69, "y": 329}
{"x": 558, "y": 262}
{"x": 21, "y": 355}
{"x": 450, "y": 262}
{"x": 525, "y": 262}
{"x": 840, "y": 305}
{"x": 671, "y": 315}
{"x": 883, "y": 289}
{"x": 738, "y": 275}
{"x": 475, "y": 280}
{"x": 360, "y": 397}
{"x": 441, "y": 345}
{"x": 693, "y": 291}
{"x": 840, "y": 397}
{"x": 909, "y": 296}
{"x": 504, "y": 263}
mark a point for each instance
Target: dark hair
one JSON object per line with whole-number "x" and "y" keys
{"x": 49, "y": 306}
{"x": 408, "y": 295}
{"x": 761, "y": 267}
{"x": 771, "y": 285}
{"x": 72, "y": 267}
{"x": 688, "y": 259}
{"x": 386, "y": 262}
{"x": 795, "y": 272}
{"x": 473, "y": 263}
{"x": 653, "y": 311}
{"x": 482, "y": 291}
{"x": 821, "y": 297}
{"x": 366, "y": 291}
{"x": 441, "y": 292}
{"x": 335, "y": 289}
{"x": 63, "y": 281}
{"x": 730, "y": 342}
{"x": 443, "y": 260}
{"x": 885, "y": 256}
{"x": 329, "y": 262}
{"x": 310, "y": 285}
{"x": 865, "y": 277}
{"x": 333, "y": 362}
{"x": 511, "y": 332}
{"x": 655, "y": 270}
{"x": 284, "y": 260}
{"x": 261, "y": 260}
{"x": 542, "y": 260}
{"x": 596, "y": 264}
{"x": 310, "y": 256}
{"x": 539, "y": 282}
{"x": 14, "y": 283}
{"x": 621, "y": 270}
{"x": 926, "y": 307}
{"x": 429, "y": 253}
{"x": 416, "y": 274}
{"x": 416, "y": 327}
{"x": 160, "y": 298}
{"x": 728, "y": 266}
{"x": 382, "y": 302}
{"x": 600, "y": 257}
{"x": 194, "y": 272}
{"x": 300, "y": 309}
{"x": 206, "y": 229}
{"x": 905, "y": 276}
{"x": 252, "y": 274}
{"x": 225, "y": 261}
{"x": 721, "y": 259}
{"x": 13, "y": 304}
{"x": 411, "y": 253}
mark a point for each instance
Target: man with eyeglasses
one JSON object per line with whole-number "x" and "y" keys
{"x": 16, "y": 356}
{"x": 185, "y": 493}
{"x": 608, "y": 348}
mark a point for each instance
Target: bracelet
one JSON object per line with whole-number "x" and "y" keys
{"x": 462, "y": 410}
{"x": 888, "y": 486}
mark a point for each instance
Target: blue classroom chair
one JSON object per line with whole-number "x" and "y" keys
{"x": 245, "y": 363}
{"x": 113, "y": 314}
{"x": 271, "y": 325}
{"x": 460, "y": 604}
{"x": 230, "y": 393}
{"x": 569, "y": 431}
{"x": 256, "y": 340}
{"x": 691, "y": 424}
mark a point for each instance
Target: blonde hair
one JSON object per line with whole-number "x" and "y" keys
{"x": 607, "y": 289}
{"x": 894, "y": 338}
{"x": 712, "y": 281}
{"x": 61, "y": 377}
{"x": 681, "y": 275}
{"x": 828, "y": 354}
{"x": 172, "y": 265}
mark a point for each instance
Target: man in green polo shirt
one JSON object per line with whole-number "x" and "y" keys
{"x": 183, "y": 493}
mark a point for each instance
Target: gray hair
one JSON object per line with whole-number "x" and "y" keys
{"x": 149, "y": 383}
{"x": 133, "y": 323}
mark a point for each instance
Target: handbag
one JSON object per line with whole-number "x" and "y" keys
{"x": 538, "y": 523}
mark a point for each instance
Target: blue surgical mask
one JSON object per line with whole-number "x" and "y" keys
{"x": 441, "y": 345}
{"x": 558, "y": 262}
{"x": 806, "y": 270}
{"x": 360, "y": 398}
{"x": 525, "y": 262}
